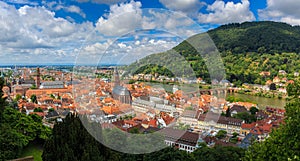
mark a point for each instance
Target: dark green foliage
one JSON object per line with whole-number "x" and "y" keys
{"x": 51, "y": 110}
{"x": 38, "y": 110}
{"x": 12, "y": 142}
{"x": 294, "y": 90}
{"x": 221, "y": 134}
{"x": 71, "y": 141}
{"x": 18, "y": 97}
{"x": 131, "y": 81}
{"x": 273, "y": 86}
{"x": 2, "y": 100}
{"x": 248, "y": 118}
{"x": 152, "y": 69}
{"x": 218, "y": 153}
{"x": 17, "y": 130}
{"x": 253, "y": 110}
{"x": 169, "y": 154}
{"x": 269, "y": 37}
{"x": 33, "y": 98}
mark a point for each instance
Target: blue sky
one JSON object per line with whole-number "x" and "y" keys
{"x": 62, "y": 31}
{"x": 95, "y": 9}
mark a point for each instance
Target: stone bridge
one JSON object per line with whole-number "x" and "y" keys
{"x": 214, "y": 91}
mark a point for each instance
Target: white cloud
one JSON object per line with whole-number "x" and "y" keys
{"x": 75, "y": 9}
{"x": 37, "y": 35}
{"x": 60, "y": 6}
{"x": 284, "y": 11}
{"x": 123, "y": 18}
{"x": 126, "y": 18}
{"x": 36, "y": 30}
{"x": 185, "y": 6}
{"x": 221, "y": 13}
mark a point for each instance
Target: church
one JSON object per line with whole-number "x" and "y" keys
{"x": 119, "y": 92}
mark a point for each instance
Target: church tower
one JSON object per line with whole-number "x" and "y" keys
{"x": 38, "y": 78}
{"x": 116, "y": 77}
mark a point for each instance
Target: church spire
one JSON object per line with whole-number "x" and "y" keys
{"x": 116, "y": 77}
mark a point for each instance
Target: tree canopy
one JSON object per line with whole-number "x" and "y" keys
{"x": 18, "y": 129}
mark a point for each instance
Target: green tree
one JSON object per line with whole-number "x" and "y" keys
{"x": 18, "y": 97}
{"x": 253, "y": 110}
{"x": 71, "y": 141}
{"x": 221, "y": 134}
{"x": 248, "y": 118}
{"x": 218, "y": 153}
{"x": 33, "y": 98}
{"x": 51, "y": 110}
{"x": 38, "y": 110}
{"x": 273, "y": 86}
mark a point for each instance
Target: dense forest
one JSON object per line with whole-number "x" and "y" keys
{"x": 246, "y": 50}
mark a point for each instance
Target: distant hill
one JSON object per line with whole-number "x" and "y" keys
{"x": 246, "y": 49}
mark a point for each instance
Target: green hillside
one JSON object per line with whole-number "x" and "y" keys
{"x": 270, "y": 37}
{"x": 246, "y": 50}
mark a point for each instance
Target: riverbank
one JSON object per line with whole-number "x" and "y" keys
{"x": 266, "y": 94}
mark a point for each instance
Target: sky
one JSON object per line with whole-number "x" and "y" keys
{"x": 118, "y": 31}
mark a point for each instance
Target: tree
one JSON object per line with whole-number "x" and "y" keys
{"x": 218, "y": 153}
{"x": 38, "y": 110}
{"x": 51, "y": 110}
{"x": 221, "y": 134}
{"x": 17, "y": 130}
{"x": 253, "y": 110}
{"x": 273, "y": 86}
{"x": 18, "y": 97}
{"x": 3, "y": 103}
{"x": 248, "y": 118}
{"x": 33, "y": 87}
{"x": 134, "y": 130}
{"x": 33, "y": 98}
{"x": 71, "y": 141}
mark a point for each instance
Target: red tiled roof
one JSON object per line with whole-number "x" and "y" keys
{"x": 248, "y": 126}
{"x": 152, "y": 123}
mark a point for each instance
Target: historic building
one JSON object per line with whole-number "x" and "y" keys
{"x": 119, "y": 92}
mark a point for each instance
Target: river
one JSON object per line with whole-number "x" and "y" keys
{"x": 262, "y": 102}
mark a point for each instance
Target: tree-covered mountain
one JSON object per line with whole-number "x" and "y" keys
{"x": 246, "y": 50}
{"x": 261, "y": 37}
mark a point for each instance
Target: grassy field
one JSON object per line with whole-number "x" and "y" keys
{"x": 34, "y": 150}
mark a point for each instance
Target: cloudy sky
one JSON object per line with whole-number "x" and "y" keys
{"x": 118, "y": 31}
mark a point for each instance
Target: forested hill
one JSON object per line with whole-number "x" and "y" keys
{"x": 246, "y": 49}
{"x": 270, "y": 37}
{"x": 261, "y": 37}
